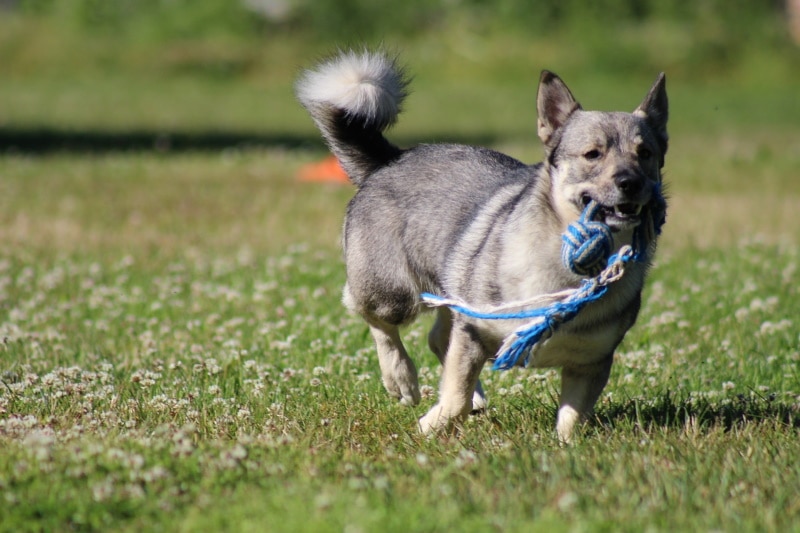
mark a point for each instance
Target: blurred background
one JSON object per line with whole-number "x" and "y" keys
{"x": 172, "y": 74}
{"x": 212, "y": 81}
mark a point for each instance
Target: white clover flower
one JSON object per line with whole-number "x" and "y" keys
{"x": 212, "y": 367}
{"x": 768, "y": 327}
{"x": 182, "y": 447}
{"x": 539, "y": 377}
{"x": 465, "y": 458}
{"x": 40, "y": 443}
{"x": 665, "y": 318}
{"x": 319, "y": 292}
{"x": 154, "y": 474}
{"x": 284, "y": 344}
{"x": 238, "y": 452}
{"x": 133, "y": 491}
{"x": 103, "y": 490}
{"x": 133, "y": 461}
{"x": 258, "y": 386}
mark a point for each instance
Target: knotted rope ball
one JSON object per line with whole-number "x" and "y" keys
{"x": 587, "y": 243}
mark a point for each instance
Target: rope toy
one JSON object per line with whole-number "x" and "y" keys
{"x": 586, "y": 244}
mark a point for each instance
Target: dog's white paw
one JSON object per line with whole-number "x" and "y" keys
{"x": 479, "y": 402}
{"x": 440, "y": 419}
{"x": 567, "y": 421}
{"x": 410, "y": 400}
{"x": 433, "y": 421}
{"x": 406, "y": 391}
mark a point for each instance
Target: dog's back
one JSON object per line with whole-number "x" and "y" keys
{"x": 418, "y": 211}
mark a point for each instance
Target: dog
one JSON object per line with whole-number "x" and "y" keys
{"x": 480, "y": 226}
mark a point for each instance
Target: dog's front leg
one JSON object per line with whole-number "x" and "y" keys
{"x": 439, "y": 341}
{"x": 580, "y": 388}
{"x": 461, "y": 367}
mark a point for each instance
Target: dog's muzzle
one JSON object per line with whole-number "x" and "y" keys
{"x": 618, "y": 217}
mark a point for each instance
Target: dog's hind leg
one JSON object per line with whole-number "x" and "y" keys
{"x": 439, "y": 341}
{"x": 580, "y": 388}
{"x": 398, "y": 372}
{"x": 461, "y": 367}
{"x": 397, "y": 369}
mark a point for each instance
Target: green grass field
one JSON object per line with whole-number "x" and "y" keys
{"x": 175, "y": 357}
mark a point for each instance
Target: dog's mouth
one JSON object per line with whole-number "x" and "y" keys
{"x": 618, "y": 217}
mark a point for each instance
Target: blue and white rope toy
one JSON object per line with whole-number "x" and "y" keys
{"x": 586, "y": 245}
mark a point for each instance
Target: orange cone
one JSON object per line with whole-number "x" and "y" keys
{"x": 328, "y": 170}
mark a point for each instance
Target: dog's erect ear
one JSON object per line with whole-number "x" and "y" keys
{"x": 554, "y": 105}
{"x": 655, "y": 110}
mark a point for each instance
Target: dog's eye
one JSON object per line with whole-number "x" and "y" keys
{"x": 645, "y": 154}
{"x": 591, "y": 155}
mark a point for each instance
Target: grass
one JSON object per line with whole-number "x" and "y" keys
{"x": 180, "y": 361}
{"x": 175, "y": 357}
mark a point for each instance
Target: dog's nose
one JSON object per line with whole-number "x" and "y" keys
{"x": 629, "y": 183}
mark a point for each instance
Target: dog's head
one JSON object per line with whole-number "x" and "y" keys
{"x": 614, "y": 159}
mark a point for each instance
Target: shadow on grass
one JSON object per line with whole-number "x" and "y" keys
{"x": 699, "y": 412}
{"x": 52, "y": 140}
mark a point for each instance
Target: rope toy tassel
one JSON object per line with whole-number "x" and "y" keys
{"x": 520, "y": 344}
{"x": 586, "y": 245}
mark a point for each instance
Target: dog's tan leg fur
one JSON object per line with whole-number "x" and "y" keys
{"x": 461, "y": 368}
{"x": 397, "y": 369}
{"x": 580, "y": 389}
{"x": 439, "y": 340}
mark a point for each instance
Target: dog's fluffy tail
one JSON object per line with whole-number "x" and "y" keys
{"x": 353, "y": 98}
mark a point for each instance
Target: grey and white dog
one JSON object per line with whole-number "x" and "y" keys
{"x": 477, "y": 225}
